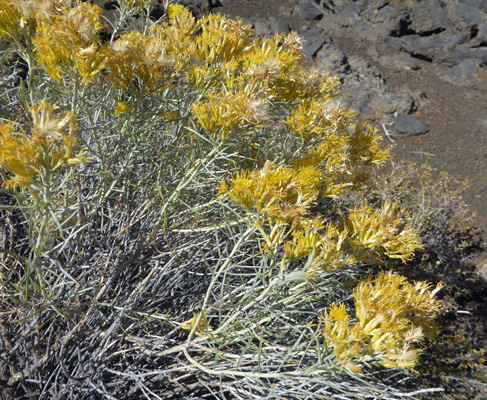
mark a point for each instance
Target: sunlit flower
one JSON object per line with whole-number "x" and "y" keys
{"x": 17, "y": 16}
{"x": 19, "y": 155}
{"x": 178, "y": 34}
{"x": 221, "y": 38}
{"x": 135, "y": 55}
{"x": 121, "y": 107}
{"x": 385, "y": 231}
{"x": 269, "y": 189}
{"x": 392, "y": 315}
{"x": 227, "y": 112}
{"x": 50, "y": 146}
{"x": 49, "y": 127}
{"x": 11, "y": 21}
{"x": 67, "y": 42}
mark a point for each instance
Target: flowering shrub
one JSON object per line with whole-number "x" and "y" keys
{"x": 191, "y": 149}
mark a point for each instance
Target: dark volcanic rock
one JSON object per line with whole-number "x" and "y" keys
{"x": 479, "y": 37}
{"x": 309, "y": 10}
{"x": 469, "y": 13}
{"x": 399, "y": 61}
{"x": 428, "y": 17}
{"x": 440, "y": 31}
{"x": 449, "y": 50}
{"x": 278, "y": 26}
{"x": 469, "y": 72}
{"x": 405, "y": 123}
{"x": 425, "y": 46}
{"x": 312, "y": 43}
{"x": 363, "y": 88}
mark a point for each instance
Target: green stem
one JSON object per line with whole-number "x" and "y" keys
{"x": 74, "y": 98}
{"x": 43, "y": 234}
{"x": 242, "y": 310}
{"x": 243, "y": 238}
{"x": 190, "y": 174}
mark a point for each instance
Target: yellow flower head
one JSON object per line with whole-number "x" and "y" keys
{"x": 392, "y": 315}
{"x": 307, "y": 235}
{"x": 221, "y": 39}
{"x": 385, "y": 231}
{"x": 12, "y": 21}
{"x": 68, "y": 41}
{"x": 49, "y": 147}
{"x": 121, "y": 107}
{"x": 48, "y": 127}
{"x": 227, "y": 113}
{"x": 39, "y": 9}
{"x": 270, "y": 189}
{"x": 135, "y": 55}
{"x": 19, "y": 155}
{"x": 178, "y": 35}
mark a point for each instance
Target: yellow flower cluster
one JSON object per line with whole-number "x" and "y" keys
{"x": 11, "y": 20}
{"x": 339, "y": 143}
{"x": 392, "y": 315}
{"x": 177, "y": 34}
{"x": 17, "y": 15}
{"x": 227, "y": 113}
{"x": 137, "y": 55}
{"x": 148, "y": 58}
{"x": 241, "y": 79}
{"x": 282, "y": 193}
{"x": 326, "y": 247}
{"x": 282, "y": 196}
{"x": 279, "y": 195}
{"x": 50, "y": 146}
{"x": 375, "y": 232}
{"x": 68, "y": 41}
{"x": 276, "y": 66}
{"x": 364, "y": 235}
{"x": 221, "y": 39}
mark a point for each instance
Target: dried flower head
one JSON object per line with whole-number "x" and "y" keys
{"x": 138, "y": 4}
